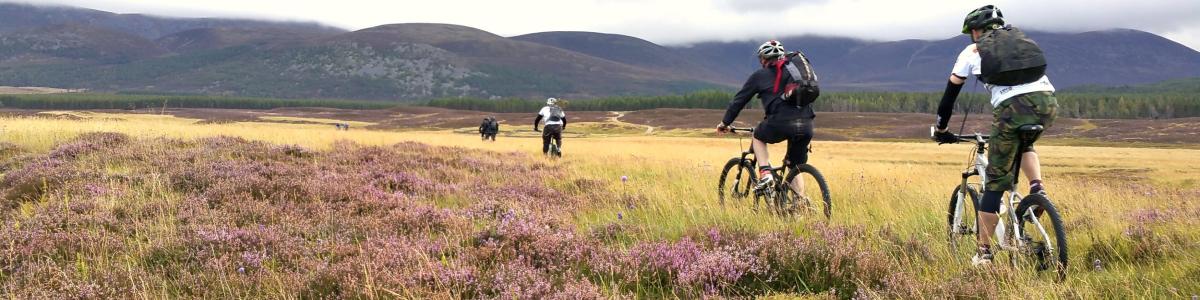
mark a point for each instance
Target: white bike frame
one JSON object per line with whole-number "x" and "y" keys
{"x": 1008, "y": 240}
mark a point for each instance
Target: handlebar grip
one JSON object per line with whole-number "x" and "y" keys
{"x": 736, "y": 129}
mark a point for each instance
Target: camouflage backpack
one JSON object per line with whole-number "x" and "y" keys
{"x": 1009, "y": 58}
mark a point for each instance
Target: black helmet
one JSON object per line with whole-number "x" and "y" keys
{"x": 982, "y": 17}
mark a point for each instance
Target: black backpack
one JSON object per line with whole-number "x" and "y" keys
{"x": 493, "y": 126}
{"x": 802, "y": 89}
{"x": 556, "y": 114}
{"x": 1009, "y": 58}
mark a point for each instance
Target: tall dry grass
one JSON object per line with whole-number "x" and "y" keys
{"x": 1130, "y": 210}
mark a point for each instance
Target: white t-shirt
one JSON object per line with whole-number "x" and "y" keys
{"x": 545, "y": 113}
{"x": 968, "y": 64}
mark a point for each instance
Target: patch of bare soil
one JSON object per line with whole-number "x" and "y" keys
{"x": 26, "y": 90}
{"x": 829, "y": 125}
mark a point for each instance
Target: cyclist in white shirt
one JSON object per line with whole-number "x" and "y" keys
{"x": 1029, "y": 103}
{"x": 555, "y": 119}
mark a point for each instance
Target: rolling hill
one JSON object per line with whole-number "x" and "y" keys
{"x": 1110, "y": 57}
{"x": 627, "y": 50}
{"x": 73, "y": 43}
{"x": 80, "y": 48}
{"x": 18, "y": 16}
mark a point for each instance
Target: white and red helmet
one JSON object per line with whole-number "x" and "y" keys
{"x": 771, "y": 49}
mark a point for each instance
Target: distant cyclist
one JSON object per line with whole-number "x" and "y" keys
{"x": 489, "y": 128}
{"x": 556, "y": 121}
{"x": 1014, "y": 72}
{"x": 787, "y": 118}
{"x": 483, "y": 128}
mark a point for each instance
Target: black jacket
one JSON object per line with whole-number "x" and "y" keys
{"x": 762, "y": 84}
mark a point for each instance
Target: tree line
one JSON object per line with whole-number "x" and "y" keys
{"x": 1071, "y": 105}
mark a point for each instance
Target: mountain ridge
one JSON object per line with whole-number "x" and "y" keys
{"x": 415, "y": 61}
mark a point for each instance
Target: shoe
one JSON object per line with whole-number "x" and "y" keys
{"x": 982, "y": 258}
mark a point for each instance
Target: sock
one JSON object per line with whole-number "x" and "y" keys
{"x": 764, "y": 171}
{"x": 1035, "y": 186}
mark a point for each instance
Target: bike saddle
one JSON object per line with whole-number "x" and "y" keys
{"x": 1031, "y": 128}
{"x": 1030, "y": 132}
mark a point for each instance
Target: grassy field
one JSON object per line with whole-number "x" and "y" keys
{"x": 1130, "y": 209}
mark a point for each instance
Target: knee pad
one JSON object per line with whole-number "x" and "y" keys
{"x": 991, "y": 202}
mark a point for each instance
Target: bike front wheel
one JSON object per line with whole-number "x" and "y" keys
{"x": 1041, "y": 227}
{"x": 962, "y": 219}
{"x": 737, "y": 181}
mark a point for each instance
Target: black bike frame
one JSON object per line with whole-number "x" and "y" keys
{"x": 781, "y": 171}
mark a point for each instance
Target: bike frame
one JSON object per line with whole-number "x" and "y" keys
{"x": 780, "y": 171}
{"x": 979, "y": 168}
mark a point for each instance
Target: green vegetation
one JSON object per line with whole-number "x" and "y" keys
{"x": 1183, "y": 86}
{"x": 1073, "y": 105}
{"x": 139, "y": 101}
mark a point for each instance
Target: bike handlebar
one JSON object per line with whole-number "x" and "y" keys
{"x": 736, "y": 129}
{"x": 977, "y": 137}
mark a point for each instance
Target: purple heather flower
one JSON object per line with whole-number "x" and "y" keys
{"x": 624, "y": 178}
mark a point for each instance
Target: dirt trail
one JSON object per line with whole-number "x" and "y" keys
{"x": 616, "y": 118}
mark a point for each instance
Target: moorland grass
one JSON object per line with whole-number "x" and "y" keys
{"x": 1131, "y": 209}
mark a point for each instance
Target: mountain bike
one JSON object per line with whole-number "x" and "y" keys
{"x": 1026, "y": 238}
{"x": 555, "y": 151}
{"x": 739, "y": 179}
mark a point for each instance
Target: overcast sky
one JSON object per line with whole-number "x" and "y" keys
{"x": 683, "y": 21}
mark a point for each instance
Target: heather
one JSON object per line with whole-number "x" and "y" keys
{"x": 105, "y": 215}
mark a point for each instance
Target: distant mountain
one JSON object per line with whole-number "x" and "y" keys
{"x": 400, "y": 61}
{"x": 74, "y": 44}
{"x": 1110, "y": 57}
{"x": 15, "y": 16}
{"x": 216, "y": 38}
{"x": 627, "y": 50}
{"x": 81, "y": 48}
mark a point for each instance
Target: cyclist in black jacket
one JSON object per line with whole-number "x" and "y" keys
{"x": 784, "y": 120}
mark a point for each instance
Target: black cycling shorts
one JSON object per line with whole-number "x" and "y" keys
{"x": 797, "y": 132}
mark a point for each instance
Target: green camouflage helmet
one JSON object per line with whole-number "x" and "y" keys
{"x": 982, "y": 17}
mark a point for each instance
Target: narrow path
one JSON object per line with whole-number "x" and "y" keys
{"x": 617, "y": 119}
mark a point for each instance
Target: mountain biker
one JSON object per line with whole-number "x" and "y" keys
{"x": 489, "y": 128}
{"x": 784, "y": 119}
{"x": 556, "y": 121}
{"x": 483, "y": 128}
{"x": 1013, "y": 106}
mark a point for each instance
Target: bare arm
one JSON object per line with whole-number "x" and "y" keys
{"x": 957, "y": 80}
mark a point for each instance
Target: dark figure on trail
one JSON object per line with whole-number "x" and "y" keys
{"x": 555, "y": 120}
{"x": 489, "y": 128}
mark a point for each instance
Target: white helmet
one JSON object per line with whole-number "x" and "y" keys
{"x": 551, "y": 101}
{"x": 771, "y": 49}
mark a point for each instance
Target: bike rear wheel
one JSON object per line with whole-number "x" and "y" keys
{"x": 737, "y": 181}
{"x": 555, "y": 152}
{"x": 1042, "y": 228}
{"x": 963, "y": 230}
{"x": 814, "y": 197}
